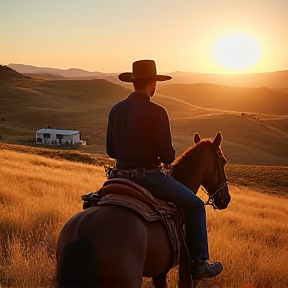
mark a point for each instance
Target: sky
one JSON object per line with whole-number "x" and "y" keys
{"x": 204, "y": 36}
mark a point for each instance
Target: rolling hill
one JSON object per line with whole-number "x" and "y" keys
{"x": 28, "y": 104}
{"x": 254, "y": 133}
{"x": 260, "y": 100}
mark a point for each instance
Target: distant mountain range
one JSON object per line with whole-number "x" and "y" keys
{"x": 277, "y": 79}
{"x": 68, "y": 73}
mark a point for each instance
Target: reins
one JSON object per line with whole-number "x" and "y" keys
{"x": 222, "y": 186}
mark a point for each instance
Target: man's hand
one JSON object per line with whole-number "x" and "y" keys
{"x": 166, "y": 168}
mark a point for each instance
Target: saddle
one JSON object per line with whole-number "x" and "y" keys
{"x": 124, "y": 192}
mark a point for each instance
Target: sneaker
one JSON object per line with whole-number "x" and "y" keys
{"x": 202, "y": 269}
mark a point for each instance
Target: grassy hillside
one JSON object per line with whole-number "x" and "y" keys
{"x": 249, "y": 139}
{"x": 249, "y": 237}
{"x": 28, "y": 104}
{"x": 268, "y": 179}
{"x": 239, "y": 99}
{"x": 245, "y": 141}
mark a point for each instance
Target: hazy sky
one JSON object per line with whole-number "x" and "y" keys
{"x": 182, "y": 35}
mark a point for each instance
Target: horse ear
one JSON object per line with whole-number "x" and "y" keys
{"x": 196, "y": 137}
{"x": 217, "y": 139}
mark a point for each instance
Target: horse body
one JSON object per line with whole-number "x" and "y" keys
{"x": 114, "y": 247}
{"x": 121, "y": 242}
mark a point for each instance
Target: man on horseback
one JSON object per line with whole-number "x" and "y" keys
{"x": 139, "y": 138}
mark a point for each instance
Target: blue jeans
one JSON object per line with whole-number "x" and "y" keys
{"x": 166, "y": 188}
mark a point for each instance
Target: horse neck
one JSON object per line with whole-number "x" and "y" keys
{"x": 190, "y": 168}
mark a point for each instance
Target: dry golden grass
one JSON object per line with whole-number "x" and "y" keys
{"x": 250, "y": 237}
{"x": 38, "y": 195}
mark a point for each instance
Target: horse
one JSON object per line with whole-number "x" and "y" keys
{"x": 111, "y": 246}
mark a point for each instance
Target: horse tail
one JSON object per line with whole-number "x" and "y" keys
{"x": 77, "y": 265}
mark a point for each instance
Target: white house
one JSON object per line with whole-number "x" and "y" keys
{"x": 58, "y": 137}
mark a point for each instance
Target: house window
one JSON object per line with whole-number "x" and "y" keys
{"x": 59, "y": 136}
{"x": 46, "y": 135}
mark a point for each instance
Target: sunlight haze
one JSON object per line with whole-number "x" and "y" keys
{"x": 108, "y": 35}
{"x": 236, "y": 52}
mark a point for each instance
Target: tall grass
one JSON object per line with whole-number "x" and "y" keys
{"x": 38, "y": 195}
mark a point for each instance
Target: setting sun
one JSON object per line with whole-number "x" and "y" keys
{"x": 236, "y": 52}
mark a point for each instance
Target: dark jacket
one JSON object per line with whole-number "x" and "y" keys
{"x": 138, "y": 134}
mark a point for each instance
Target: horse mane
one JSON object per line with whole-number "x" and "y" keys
{"x": 183, "y": 164}
{"x": 189, "y": 152}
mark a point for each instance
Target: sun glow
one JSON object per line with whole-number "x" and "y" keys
{"x": 236, "y": 52}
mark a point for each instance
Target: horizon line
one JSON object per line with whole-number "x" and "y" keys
{"x": 176, "y": 71}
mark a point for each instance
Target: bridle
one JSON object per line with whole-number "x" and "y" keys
{"x": 210, "y": 200}
{"x": 219, "y": 190}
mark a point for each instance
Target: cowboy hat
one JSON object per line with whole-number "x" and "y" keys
{"x": 143, "y": 69}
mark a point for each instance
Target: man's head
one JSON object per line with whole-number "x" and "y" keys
{"x": 143, "y": 69}
{"x": 146, "y": 86}
{"x": 143, "y": 76}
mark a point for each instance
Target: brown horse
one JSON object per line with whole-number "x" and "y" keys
{"x": 114, "y": 247}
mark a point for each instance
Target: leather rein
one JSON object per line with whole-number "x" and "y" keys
{"x": 219, "y": 190}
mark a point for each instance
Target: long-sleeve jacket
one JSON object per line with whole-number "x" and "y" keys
{"x": 138, "y": 134}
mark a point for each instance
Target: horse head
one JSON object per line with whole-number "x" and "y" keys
{"x": 214, "y": 179}
{"x": 203, "y": 165}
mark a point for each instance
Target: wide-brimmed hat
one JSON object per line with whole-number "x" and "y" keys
{"x": 143, "y": 69}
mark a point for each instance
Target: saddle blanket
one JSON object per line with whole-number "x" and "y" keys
{"x": 124, "y": 192}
